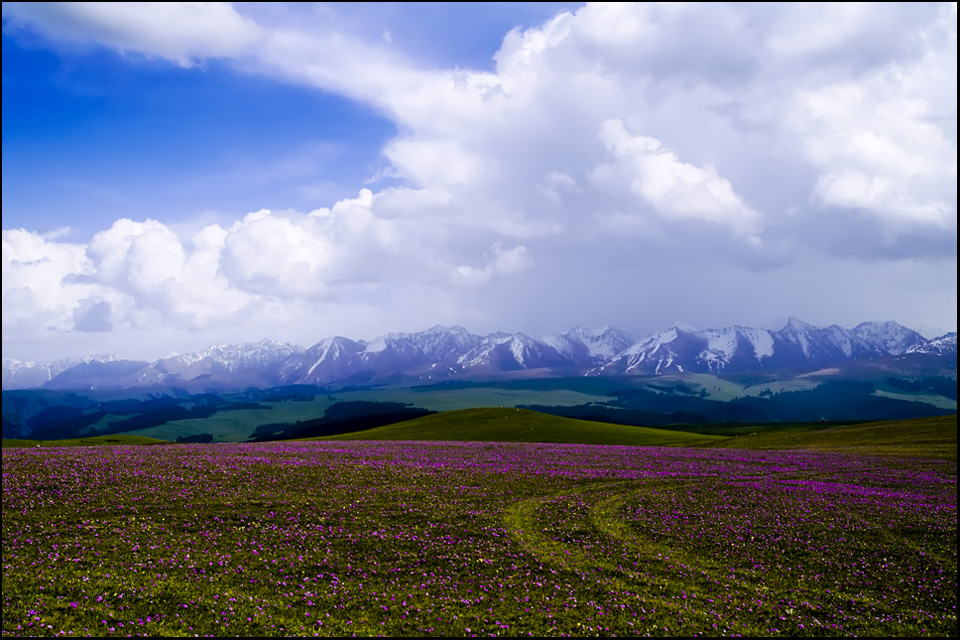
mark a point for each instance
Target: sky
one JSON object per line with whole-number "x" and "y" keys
{"x": 181, "y": 175}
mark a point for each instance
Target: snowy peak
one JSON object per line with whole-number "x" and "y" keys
{"x": 590, "y": 346}
{"x": 602, "y": 343}
{"x": 889, "y": 336}
{"x": 98, "y": 373}
{"x": 797, "y": 345}
{"x": 330, "y": 359}
{"x": 945, "y": 345}
{"x": 439, "y": 344}
{"x": 736, "y": 347}
{"x": 257, "y": 361}
{"x": 501, "y": 352}
{"x": 25, "y": 374}
{"x": 684, "y": 327}
{"x": 671, "y": 350}
{"x": 799, "y": 334}
{"x": 821, "y": 346}
{"x": 231, "y": 357}
{"x": 797, "y": 325}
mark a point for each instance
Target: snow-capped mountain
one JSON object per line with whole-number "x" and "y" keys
{"x": 248, "y": 364}
{"x": 256, "y": 359}
{"x": 340, "y": 358}
{"x": 437, "y": 344}
{"x": 667, "y": 350}
{"x": 97, "y": 373}
{"x": 24, "y": 374}
{"x": 945, "y": 345}
{"x": 585, "y": 346}
{"x": 797, "y": 345}
{"x": 230, "y": 357}
{"x": 330, "y": 359}
{"x": 814, "y": 346}
{"x": 501, "y": 352}
{"x": 891, "y": 337}
{"x": 443, "y": 352}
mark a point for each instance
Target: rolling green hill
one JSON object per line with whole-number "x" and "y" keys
{"x": 934, "y": 438}
{"x": 519, "y": 425}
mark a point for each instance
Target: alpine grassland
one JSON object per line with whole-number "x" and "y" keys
{"x": 502, "y": 424}
{"x": 456, "y": 538}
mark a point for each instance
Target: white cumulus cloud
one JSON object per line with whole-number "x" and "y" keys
{"x": 674, "y": 188}
{"x": 181, "y": 32}
{"x": 750, "y": 139}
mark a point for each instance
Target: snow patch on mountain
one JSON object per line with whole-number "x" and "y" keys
{"x": 517, "y": 348}
{"x": 723, "y": 342}
{"x": 376, "y": 346}
{"x": 760, "y": 339}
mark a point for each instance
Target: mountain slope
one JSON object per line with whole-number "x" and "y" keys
{"x": 891, "y": 337}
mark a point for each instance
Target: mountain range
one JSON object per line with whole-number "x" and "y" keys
{"x": 441, "y": 353}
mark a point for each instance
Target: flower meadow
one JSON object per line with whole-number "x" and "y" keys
{"x": 474, "y": 539}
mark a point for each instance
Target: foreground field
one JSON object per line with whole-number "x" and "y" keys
{"x": 400, "y": 538}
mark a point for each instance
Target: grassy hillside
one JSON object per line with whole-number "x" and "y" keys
{"x": 934, "y": 438}
{"x": 81, "y": 442}
{"x": 519, "y": 425}
{"x": 238, "y": 426}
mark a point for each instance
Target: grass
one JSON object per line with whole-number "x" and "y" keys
{"x": 933, "y": 438}
{"x": 237, "y": 426}
{"x": 520, "y": 425}
{"x": 460, "y": 539}
{"x": 96, "y": 441}
{"x": 938, "y": 401}
{"x": 730, "y": 429}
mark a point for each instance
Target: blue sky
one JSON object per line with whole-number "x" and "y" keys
{"x": 149, "y": 139}
{"x": 129, "y": 135}
{"x": 181, "y": 175}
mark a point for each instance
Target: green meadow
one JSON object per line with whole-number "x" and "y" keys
{"x": 96, "y": 441}
{"x": 934, "y": 438}
{"x": 487, "y": 522}
{"x": 520, "y": 425}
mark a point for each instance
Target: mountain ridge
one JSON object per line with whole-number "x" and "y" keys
{"x": 440, "y": 353}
